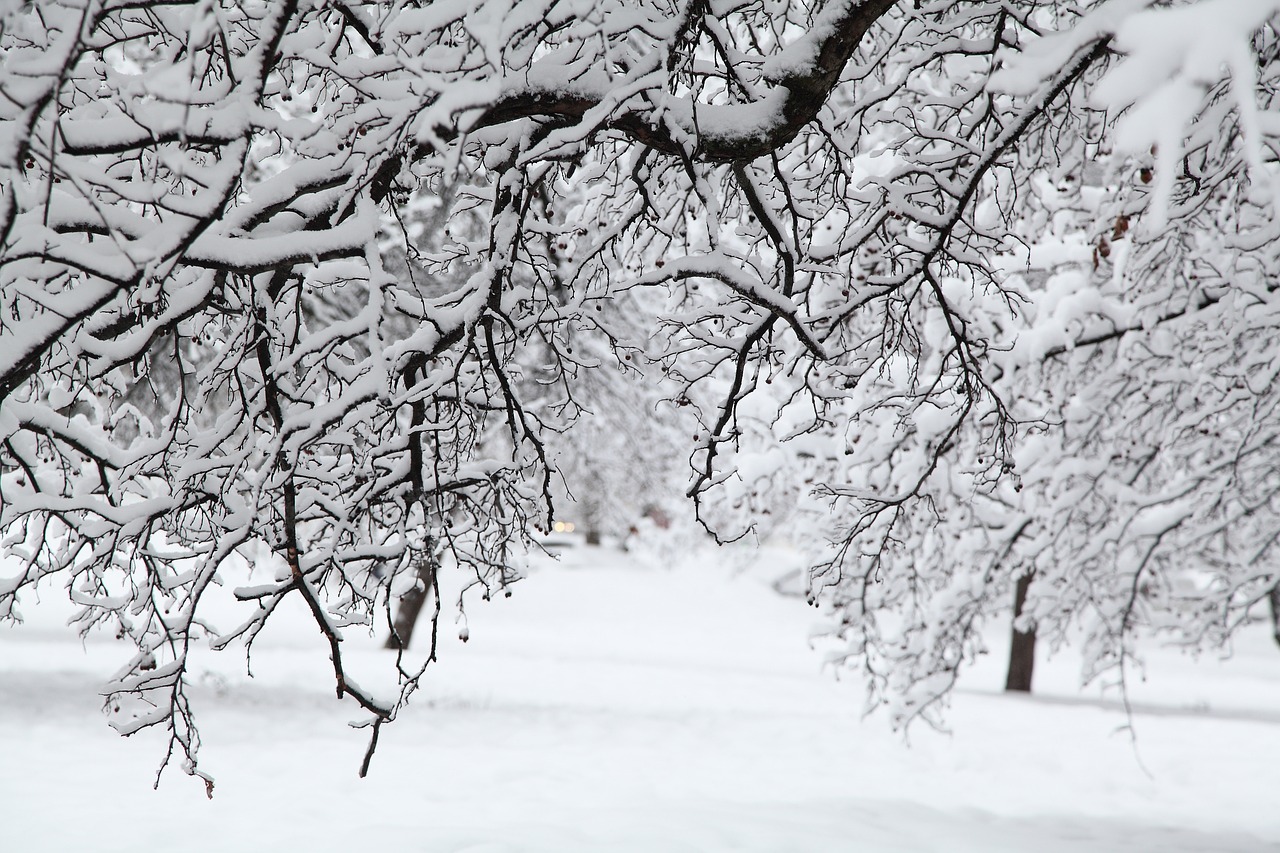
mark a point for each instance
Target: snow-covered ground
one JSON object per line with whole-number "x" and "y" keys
{"x": 609, "y": 706}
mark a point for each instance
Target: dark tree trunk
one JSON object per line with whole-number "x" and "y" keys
{"x": 592, "y": 519}
{"x": 1274, "y": 597}
{"x": 411, "y": 604}
{"x": 1022, "y": 649}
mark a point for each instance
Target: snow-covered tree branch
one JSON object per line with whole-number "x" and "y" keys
{"x": 325, "y": 288}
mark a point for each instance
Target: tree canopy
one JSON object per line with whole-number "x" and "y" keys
{"x": 967, "y": 291}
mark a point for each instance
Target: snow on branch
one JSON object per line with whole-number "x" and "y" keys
{"x": 335, "y": 302}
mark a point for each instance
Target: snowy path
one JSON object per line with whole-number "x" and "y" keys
{"x": 610, "y": 708}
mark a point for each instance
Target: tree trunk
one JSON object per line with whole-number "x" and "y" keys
{"x": 1274, "y": 597}
{"x": 411, "y": 604}
{"x": 1022, "y": 648}
{"x": 592, "y": 520}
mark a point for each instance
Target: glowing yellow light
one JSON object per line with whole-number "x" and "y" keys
{"x": 558, "y": 527}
